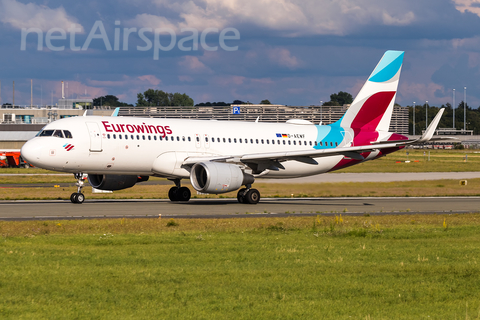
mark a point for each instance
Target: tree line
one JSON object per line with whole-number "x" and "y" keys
{"x": 472, "y": 123}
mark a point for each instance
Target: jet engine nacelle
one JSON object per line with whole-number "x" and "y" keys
{"x": 114, "y": 182}
{"x": 216, "y": 177}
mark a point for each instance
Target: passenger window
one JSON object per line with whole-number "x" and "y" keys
{"x": 206, "y": 139}
{"x": 294, "y": 142}
{"x": 198, "y": 139}
{"x": 289, "y": 142}
{"x": 183, "y": 138}
{"x": 108, "y": 136}
{"x": 143, "y": 137}
{"x": 149, "y": 138}
{"x": 336, "y": 144}
{"x": 224, "y": 140}
{"x": 218, "y": 139}
{"x": 58, "y": 134}
{"x": 251, "y": 141}
{"x": 189, "y": 139}
{"x": 283, "y": 141}
{"x": 256, "y": 140}
{"x": 178, "y": 138}
{"x": 114, "y": 136}
{"x": 119, "y": 136}
{"x": 67, "y": 134}
{"x": 126, "y": 137}
{"x": 240, "y": 140}
{"x": 315, "y": 143}
{"x": 138, "y": 137}
{"x": 166, "y": 138}
{"x": 268, "y": 141}
{"x": 321, "y": 144}
{"x": 213, "y": 139}
{"x": 234, "y": 140}
{"x": 229, "y": 140}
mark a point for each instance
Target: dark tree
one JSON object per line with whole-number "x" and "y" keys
{"x": 339, "y": 99}
{"x": 109, "y": 100}
{"x": 160, "y": 98}
{"x": 265, "y": 102}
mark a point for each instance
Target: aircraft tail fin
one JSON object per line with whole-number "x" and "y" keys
{"x": 373, "y": 106}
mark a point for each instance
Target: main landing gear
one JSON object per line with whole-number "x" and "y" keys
{"x": 179, "y": 193}
{"x": 248, "y": 195}
{"x": 78, "y": 197}
{"x": 245, "y": 195}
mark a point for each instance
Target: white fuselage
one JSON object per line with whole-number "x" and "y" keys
{"x": 152, "y": 146}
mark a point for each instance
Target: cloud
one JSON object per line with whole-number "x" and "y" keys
{"x": 31, "y": 15}
{"x": 193, "y": 64}
{"x": 290, "y": 17}
{"x": 283, "y": 57}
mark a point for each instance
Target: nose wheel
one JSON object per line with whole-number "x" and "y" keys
{"x": 78, "y": 197}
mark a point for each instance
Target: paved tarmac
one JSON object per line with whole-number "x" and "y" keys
{"x": 224, "y": 208}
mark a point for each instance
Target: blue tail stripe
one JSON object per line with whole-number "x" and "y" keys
{"x": 388, "y": 66}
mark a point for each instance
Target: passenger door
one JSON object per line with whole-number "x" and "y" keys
{"x": 95, "y": 137}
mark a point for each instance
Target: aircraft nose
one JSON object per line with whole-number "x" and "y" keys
{"x": 31, "y": 152}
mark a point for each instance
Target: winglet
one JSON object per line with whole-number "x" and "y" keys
{"x": 432, "y": 127}
{"x": 115, "y": 112}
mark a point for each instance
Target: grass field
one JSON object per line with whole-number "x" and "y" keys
{"x": 382, "y": 267}
{"x": 273, "y": 190}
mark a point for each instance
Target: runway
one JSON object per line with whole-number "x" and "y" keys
{"x": 229, "y": 208}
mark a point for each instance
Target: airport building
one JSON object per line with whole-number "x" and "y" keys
{"x": 264, "y": 113}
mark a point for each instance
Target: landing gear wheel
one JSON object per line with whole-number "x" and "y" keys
{"x": 80, "y": 197}
{"x": 172, "y": 193}
{"x": 183, "y": 194}
{"x": 241, "y": 195}
{"x": 77, "y": 197}
{"x": 252, "y": 196}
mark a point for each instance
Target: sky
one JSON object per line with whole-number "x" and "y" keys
{"x": 292, "y": 52}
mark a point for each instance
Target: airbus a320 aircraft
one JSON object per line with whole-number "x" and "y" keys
{"x": 222, "y": 156}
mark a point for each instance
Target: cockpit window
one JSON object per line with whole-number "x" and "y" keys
{"x": 58, "y": 133}
{"x": 55, "y": 133}
{"x": 46, "y": 133}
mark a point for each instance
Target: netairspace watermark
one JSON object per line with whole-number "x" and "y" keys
{"x": 190, "y": 42}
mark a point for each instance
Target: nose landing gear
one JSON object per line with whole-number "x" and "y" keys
{"x": 78, "y": 197}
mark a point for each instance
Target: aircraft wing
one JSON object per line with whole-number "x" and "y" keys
{"x": 272, "y": 160}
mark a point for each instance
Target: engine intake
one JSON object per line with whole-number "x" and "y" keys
{"x": 114, "y": 182}
{"x": 216, "y": 177}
